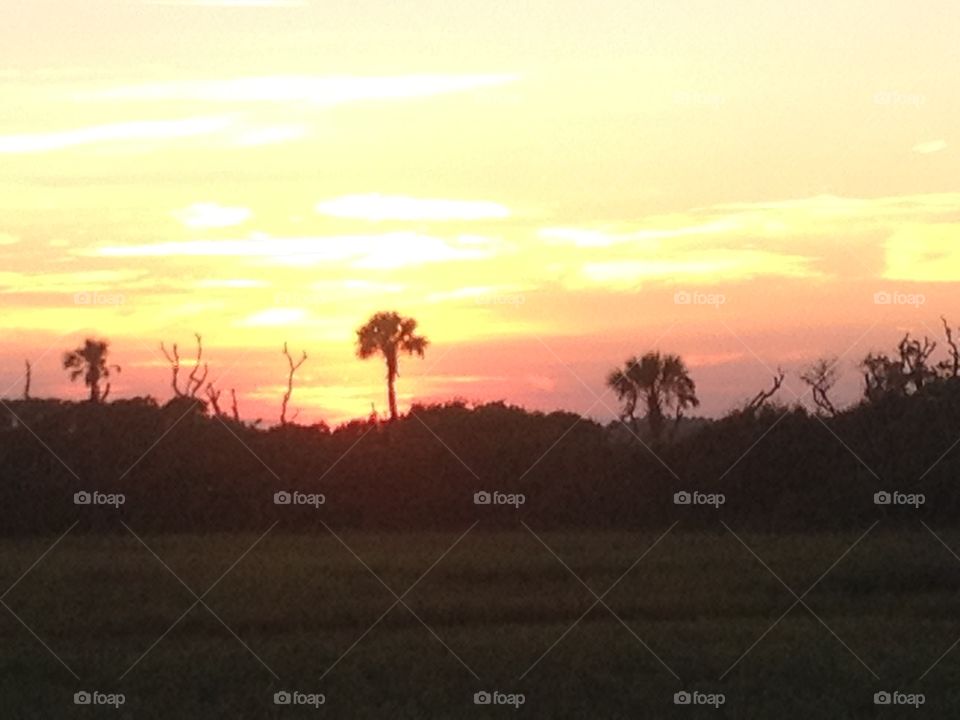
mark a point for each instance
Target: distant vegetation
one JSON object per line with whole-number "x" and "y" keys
{"x": 187, "y": 465}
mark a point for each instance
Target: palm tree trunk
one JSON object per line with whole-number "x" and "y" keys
{"x": 392, "y": 396}
{"x": 391, "y": 390}
{"x": 654, "y": 416}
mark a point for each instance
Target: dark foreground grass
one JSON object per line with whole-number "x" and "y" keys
{"x": 499, "y": 612}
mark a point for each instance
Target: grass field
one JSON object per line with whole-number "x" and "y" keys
{"x": 488, "y": 616}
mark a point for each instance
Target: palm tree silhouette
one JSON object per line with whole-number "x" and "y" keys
{"x": 389, "y": 334}
{"x": 90, "y": 363}
{"x": 660, "y": 382}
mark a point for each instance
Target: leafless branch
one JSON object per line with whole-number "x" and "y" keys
{"x": 294, "y": 366}
{"x": 761, "y": 398}
{"x": 214, "y": 396}
{"x": 195, "y": 379}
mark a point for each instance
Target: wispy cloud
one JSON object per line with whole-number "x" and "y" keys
{"x": 128, "y": 131}
{"x": 483, "y": 295}
{"x": 834, "y": 206}
{"x": 924, "y": 253}
{"x": 275, "y": 316}
{"x": 794, "y": 238}
{"x": 89, "y": 280}
{"x": 376, "y": 207}
{"x": 926, "y": 148}
{"x": 376, "y": 252}
{"x": 712, "y": 266}
{"x": 212, "y": 215}
{"x": 7, "y": 239}
{"x": 599, "y": 238}
{"x": 231, "y": 284}
{"x": 318, "y": 90}
{"x": 783, "y": 220}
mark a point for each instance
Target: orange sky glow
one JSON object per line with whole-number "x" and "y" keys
{"x": 548, "y": 187}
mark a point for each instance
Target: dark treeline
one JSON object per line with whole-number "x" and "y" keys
{"x": 188, "y": 465}
{"x": 778, "y": 467}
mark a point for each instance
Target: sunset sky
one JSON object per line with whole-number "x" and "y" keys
{"x": 542, "y": 184}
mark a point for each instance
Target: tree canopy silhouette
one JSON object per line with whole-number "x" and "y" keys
{"x": 660, "y": 383}
{"x": 390, "y": 334}
{"x": 776, "y": 464}
{"x": 90, "y": 363}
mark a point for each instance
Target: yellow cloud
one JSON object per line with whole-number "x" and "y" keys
{"x": 336, "y": 288}
{"x": 7, "y": 239}
{"x": 926, "y": 148}
{"x": 377, "y": 207}
{"x": 385, "y": 251}
{"x": 317, "y": 90}
{"x": 924, "y": 253}
{"x": 275, "y": 316}
{"x": 834, "y": 207}
{"x": 599, "y": 238}
{"x": 212, "y": 215}
{"x": 232, "y": 283}
{"x": 712, "y": 266}
{"x": 89, "y": 280}
{"x": 719, "y": 243}
{"x": 140, "y": 130}
{"x": 485, "y": 295}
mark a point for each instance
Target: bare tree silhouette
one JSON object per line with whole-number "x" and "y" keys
{"x": 195, "y": 379}
{"x": 26, "y": 379}
{"x": 233, "y": 405}
{"x": 909, "y": 372}
{"x": 915, "y": 356}
{"x": 89, "y": 362}
{"x": 214, "y": 395}
{"x": 389, "y": 334}
{"x": 660, "y": 382}
{"x": 294, "y": 366}
{"x": 821, "y": 376}
{"x": 762, "y": 397}
{"x": 951, "y": 366}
